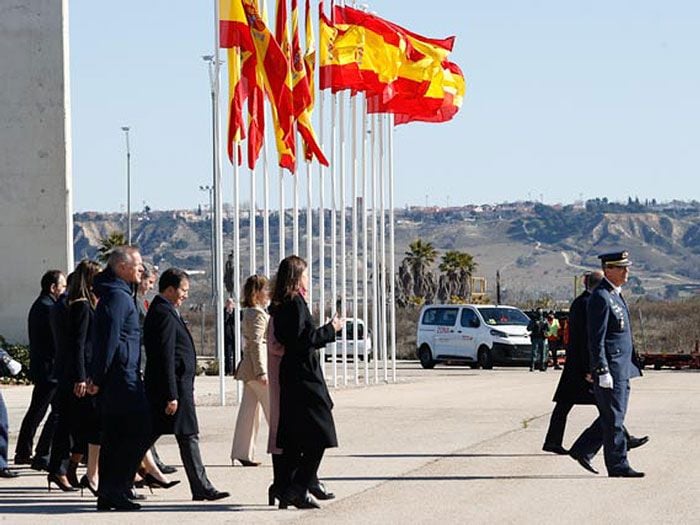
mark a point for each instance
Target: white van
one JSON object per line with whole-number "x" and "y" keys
{"x": 364, "y": 341}
{"x": 479, "y": 335}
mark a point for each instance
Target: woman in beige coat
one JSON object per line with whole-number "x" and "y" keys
{"x": 252, "y": 371}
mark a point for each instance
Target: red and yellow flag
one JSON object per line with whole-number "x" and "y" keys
{"x": 302, "y": 95}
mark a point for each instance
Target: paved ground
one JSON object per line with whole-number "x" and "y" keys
{"x": 447, "y": 445}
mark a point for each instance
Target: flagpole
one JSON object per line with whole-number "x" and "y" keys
{"x": 236, "y": 263}
{"x": 309, "y": 235}
{"x": 321, "y": 218}
{"x": 354, "y": 258}
{"x": 281, "y": 218}
{"x": 251, "y": 223}
{"x": 392, "y": 249}
{"x": 218, "y": 212}
{"x": 343, "y": 255}
{"x": 295, "y": 207}
{"x": 266, "y": 212}
{"x": 375, "y": 270}
{"x": 365, "y": 298}
{"x": 382, "y": 243}
{"x": 334, "y": 240}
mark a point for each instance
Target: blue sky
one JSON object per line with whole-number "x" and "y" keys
{"x": 565, "y": 99}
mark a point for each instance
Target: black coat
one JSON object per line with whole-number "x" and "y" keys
{"x": 63, "y": 362}
{"x": 80, "y": 334}
{"x": 573, "y": 387}
{"x": 171, "y": 368}
{"x": 42, "y": 349}
{"x": 305, "y": 420}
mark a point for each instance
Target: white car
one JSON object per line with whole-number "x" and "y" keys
{"x": 479, "y": 335}
{"x": 364, "y": 340}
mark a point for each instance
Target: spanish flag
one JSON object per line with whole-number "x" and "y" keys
{"x": 301, "y": 94}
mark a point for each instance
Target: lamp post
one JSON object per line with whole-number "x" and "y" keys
{"x": 125, "y": 129}
{"x": 210, "y": 190}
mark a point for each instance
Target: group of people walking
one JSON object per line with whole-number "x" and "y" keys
{"x": 119, "y": 372}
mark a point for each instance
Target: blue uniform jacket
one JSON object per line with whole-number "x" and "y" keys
{"x": 117, "y": 347}
{"x": 610, "y": 334}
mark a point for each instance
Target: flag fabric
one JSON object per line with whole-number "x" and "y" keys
{"x": 301, "y": 94}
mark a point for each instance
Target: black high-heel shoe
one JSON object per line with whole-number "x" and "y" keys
{"x": 319, "y": 491}
{"x": 53, "y": 478}
{"x": 246, "y": 462}
{"x": 272, "y": 495}
{"x": 152, "y": 482}
{"x": 72, "y": 474}
{"x": 85, "y": 484}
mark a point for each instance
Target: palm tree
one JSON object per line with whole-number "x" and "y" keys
{"x": 419, "y": 258}
{"x": 107, "y": 245}
{"x": 457, "y": 268}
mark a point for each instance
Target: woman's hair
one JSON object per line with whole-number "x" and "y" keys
{"x": 253, "y": 290}
{"x": 287, "y": 280}
{"x": 81, "y": 282}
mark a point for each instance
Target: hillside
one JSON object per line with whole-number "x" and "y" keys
{"x": 538, "y": 249}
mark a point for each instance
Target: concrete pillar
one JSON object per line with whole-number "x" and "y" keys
{"x": 36, "y": 225}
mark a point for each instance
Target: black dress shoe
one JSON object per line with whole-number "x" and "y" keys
{"x": 556, "y": 449}
{"x": 121, "y": 504}
{"x": 300, "y": 501}
{"x": 21, "y": 460}
{"x": 629, "y": 473}
{"x": 39, "y": 465}
{"x": 319, "y": 491}
{"x": 211, "y": 495}
{"x": 634, "y": 442}
{"x": 7, "y": 473}
{"x": 585, "y": 463}
{"x": 168, "y": 469}
{"x": 132, "y": 495}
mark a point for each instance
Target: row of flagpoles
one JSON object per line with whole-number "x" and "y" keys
{"x": 378, "y": 73}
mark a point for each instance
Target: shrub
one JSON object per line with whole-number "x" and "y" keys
{"x": 19, "y": 353}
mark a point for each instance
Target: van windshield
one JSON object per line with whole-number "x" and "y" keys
{"x": 495, "y": 316}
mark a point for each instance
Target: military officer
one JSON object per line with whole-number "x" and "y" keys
{"x": 613, "y": 362}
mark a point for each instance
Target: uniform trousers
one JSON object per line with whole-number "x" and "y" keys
{"x": 125, "y": 439}
{"x": 608, "y": 429}
{"x": 255, "y": 396}
{"x": 4, "y": 433}
{"x": 538, "y": 356}
{"x": 42, "y": 398}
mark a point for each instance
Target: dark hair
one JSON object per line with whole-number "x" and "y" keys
{"x": 252, "y": 289}
{"x": 49, "y": 279}
{"x": 286, "y": 283}
{"x": 172, "y": 277}
{"x": 80, "y": 286}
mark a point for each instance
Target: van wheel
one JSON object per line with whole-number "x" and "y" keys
{"x": 485, "y": 358}
{"x": 426, "y": 357}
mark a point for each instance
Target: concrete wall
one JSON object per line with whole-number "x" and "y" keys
{"x": 36, "y": 226}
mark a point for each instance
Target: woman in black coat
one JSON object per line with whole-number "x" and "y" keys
{"x": 306, "y": 426}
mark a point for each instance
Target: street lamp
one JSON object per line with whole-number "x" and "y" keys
{"x": 125, "y": 129}
{"x": 210, "y": 190}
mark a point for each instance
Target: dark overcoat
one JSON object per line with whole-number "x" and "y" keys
{"x": 81, "y": 327}
{"x": 305, "y": 419}
{"x": 42, "y": 349}
{"x": 171, "y": 365}
{"x": 573, "y": 387}
{"x": 116, "y": 349}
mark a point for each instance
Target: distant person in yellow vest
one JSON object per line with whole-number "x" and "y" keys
{"x": 553, "y": 337}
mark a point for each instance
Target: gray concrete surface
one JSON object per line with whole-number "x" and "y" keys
{"x": 36, "y": 222}
{"x": 443, "y": 446}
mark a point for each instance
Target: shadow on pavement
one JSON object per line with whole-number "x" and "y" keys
{"x": 451, "y": 478}
{"x": 440, "y": 455}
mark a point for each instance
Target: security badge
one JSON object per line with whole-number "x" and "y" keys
{"x": 618, "y": 312}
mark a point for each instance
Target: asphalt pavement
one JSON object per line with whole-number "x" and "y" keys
{"x": 446, "y": 445}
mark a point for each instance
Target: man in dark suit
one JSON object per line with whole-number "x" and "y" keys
{"x": 115, "y": 377}
{"x": 42, "y": 352}
{"x": 170, "y": 371}
{"x": 230, "y": 313}
{"x": 613, "y": 362}
{"x": 576, "y": 382}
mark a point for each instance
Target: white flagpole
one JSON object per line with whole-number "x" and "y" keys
{"x": 343, "y": 255}
{"x": 334, "y": 240}
{"x": 392, "y": 249}
{"x": 375, "y": 269}
{"x": 321, "y": 216}
{"x": 354, "y": 256}
{"x": 236, "y": 263}
{"x": 218, "y": 212}
{"x": 365, "y": 298}
{"x": 309, "y": 235}
{"x": 251, "y": 224}
{"x": 266, "y": 213}
{"x": 281, "y": 218}
{"x": 382, "y": 242}
{"x": 295, "y": 207}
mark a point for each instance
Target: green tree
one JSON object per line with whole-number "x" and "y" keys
{"x": 107, "y": 245}
{"x": 417, "y": 264}
{"x": 457, "y": 268}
